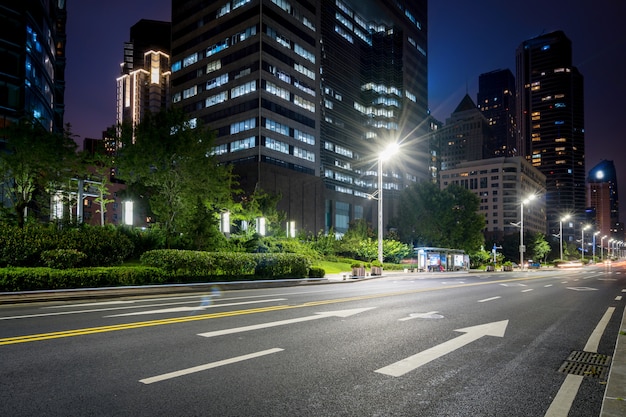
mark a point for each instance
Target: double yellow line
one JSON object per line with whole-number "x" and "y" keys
{"x": 161, "y": 322}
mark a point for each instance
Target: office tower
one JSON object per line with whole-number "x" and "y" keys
{"x": 499, "y": 183}
{"x": 32, "y": 62}
{"x": 464, "y": 136}
{"x": 551, "y": 123}
{"x": 303, "y": 97}
{"x": 602, "y": 197}
{"x": 496, "y": 100}
{"x": 144, "y": 84}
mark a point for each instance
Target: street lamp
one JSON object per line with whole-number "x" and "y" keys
{"x": 522, "y": 248}
{"x": 602, "y": 248}
{"x": 582, "y": 242}
{"x": 128, "y": 213}
{"x": 593, "y": 250}
{"x": 384, "y": 155}
{"x": 561, "y": 233}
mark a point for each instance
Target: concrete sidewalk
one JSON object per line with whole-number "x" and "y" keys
{"x": 614, "y": 403}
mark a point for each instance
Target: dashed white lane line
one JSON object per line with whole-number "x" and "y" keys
{"x": 208, "y": 366}
{"x": 489, "y": 299}
{"x": 530, "y": 289}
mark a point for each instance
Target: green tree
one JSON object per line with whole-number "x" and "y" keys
{"x": 445, "y": 218}
{"x": 539, "y": 247}
{"x": 169, "y": 160}
{"x": 34, "y": 161}
{"x": 96, "y": 168}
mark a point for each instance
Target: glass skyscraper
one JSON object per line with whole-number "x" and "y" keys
{"x": 551, "y": 124}
{"x": 303, "y": 97}
{"x": 32, "y": 61}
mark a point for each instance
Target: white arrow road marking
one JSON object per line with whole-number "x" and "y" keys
{"x": 429, "y": 315}
{"x": 472, "y": 334}
{"x": 193, "y": 308}
{"x": 207, "y": 366}
{"x": 582, "y": 288}
{"x": 341, "y": 313}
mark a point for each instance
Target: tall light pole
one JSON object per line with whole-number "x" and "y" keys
{"x": 561, "y": 233}
{"x": 602, "y": 248}
{"x": 593, "y": 250}
{"x": 385, "y": 154}
{"x": 582, "y": 242}
{"x": 522, "y": 248}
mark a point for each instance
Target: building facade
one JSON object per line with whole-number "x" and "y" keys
{"x": 502, "y": 184}
{"x": 465, "y": 136}
{"x": 602, "y": 199}
{"x": 550, "y": 118}
{"x": 304, "y": 96}
{"x": 144, "y": 84}
{"x": 496, "y": 101}
{"x": 32, "y": 61}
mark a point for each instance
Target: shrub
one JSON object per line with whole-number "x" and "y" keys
{"x": 316, "y": 272}
{"x": 104, "y": 246}
{"x": 62, "y": 258}
{"x": 23, "y": 246}
{"x": 209, "y": 264}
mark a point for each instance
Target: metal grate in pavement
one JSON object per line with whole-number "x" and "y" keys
{"x": 589, "y": 364}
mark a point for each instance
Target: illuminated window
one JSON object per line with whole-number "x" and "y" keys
{"x": 243, "y": 89}
{"x": 242, "y": 126}
{"x": 276, "y": 145}
{"x": 242, "y": 144}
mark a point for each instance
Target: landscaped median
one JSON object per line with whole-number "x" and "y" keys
{"x": 164, "y": 266}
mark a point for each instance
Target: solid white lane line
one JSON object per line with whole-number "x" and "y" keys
{"x": 99, "y": 310}
{"x": 594, "y": 339}
{"x": 564, "y": 399}
{"x": 192, "y": 308}
{"x": 208, "y": 366}
{"x": 489, "y": 299}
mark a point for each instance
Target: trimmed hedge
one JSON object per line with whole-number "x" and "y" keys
{"x": 193, "y": 264}
{"x": 32, "y": 279}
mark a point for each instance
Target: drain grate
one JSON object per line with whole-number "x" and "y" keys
{"x": 589, "y": 364}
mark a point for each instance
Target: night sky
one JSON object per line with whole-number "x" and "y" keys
{"x": 466, "y": 39}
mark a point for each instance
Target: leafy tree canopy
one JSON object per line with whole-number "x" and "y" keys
{"x": 444, "y": 218}
{"x": 34, "y": 162}
{"x": 169, "y": 160}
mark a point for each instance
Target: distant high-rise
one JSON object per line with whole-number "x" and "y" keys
{"x": 464, "y": 136}
{"x": 32, "y": 62}
{"x": 602, "y": 197}
{"x": 551, "y": 123}
{"x": 496, "y": 100}
{"x": 144, "y": 85}
{"x": 304, "y": 96}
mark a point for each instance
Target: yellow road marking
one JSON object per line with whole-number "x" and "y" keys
{"x": 160, "y": 322}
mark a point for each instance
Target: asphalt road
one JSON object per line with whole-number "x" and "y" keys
{"x": 406, "y": 345}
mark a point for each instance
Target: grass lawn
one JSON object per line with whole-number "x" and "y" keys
{"x": 334, "y": 267}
